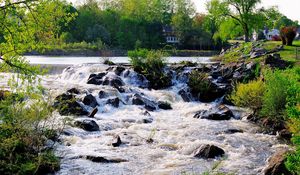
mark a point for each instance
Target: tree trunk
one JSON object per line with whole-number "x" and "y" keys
{"x": 246, "y": 31}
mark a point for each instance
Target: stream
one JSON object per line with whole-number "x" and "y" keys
{"x": 174, "y": 134}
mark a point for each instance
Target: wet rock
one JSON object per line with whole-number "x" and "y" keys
{"x": 73, "y": 91}
{"x": 96, "y": 78}
{"x": 90, "y": 100}
{"x": 184, "y": 95}
{"x": 285, "y": 134}
{"x": 114, "y": 102}
{"x": 276, "y": 164}
{"x": 87, "y": 124}
{"x": 102, "y": 94}
{"x": 164, "y": 105}
{"x": 150, "y": 106}
{"x": 114, "y": 81}
{"x": 208, "y": 151}
{"x": 118, "y": 70}
{"x": 147, "y": 120}
{"x": 218, "y": 113}
{"x": 137, "y": 100}
{"x": 233, "y": 131}
{"x": 66, "y": 104}
{"x": 275, "y": 61}
{"x": 272, "y": 125}
{"x": 117, "y": 141}
{"x": 93, "y": 113}
{"x": 146, "y": 113}
{"x": 100, "y": 159}
{"x": 120, "y": 89}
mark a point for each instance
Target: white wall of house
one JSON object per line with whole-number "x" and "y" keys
{"x": 269, "y": 35}
{"x": 172, "y": 39}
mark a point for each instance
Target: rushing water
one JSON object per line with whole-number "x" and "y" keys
{"x": 175, "y": 133}
{"x": 80, "y": 60}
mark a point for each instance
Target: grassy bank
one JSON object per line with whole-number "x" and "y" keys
{"x": 274, "y": 95}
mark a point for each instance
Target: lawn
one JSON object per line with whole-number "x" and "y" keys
{"x": 288, "y": 53}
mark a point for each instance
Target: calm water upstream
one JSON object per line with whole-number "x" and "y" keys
{"x": 80, "y": 60}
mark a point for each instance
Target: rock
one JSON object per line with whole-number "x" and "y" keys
{"x": 120, "y": 89}
{"x": 117, "y": 141}
{"x": 164, "y": 105}
{"x": 96, "y": 78}
{"x": 273, "y": 125}
{"x": 232, "y": 131}
{"x": 257, "y": 52}
{"x": 93, "y": 113}
{"x": 102, "y": 94}
{"x": 90, "y": 100}
{"x": 66, "y": 104}
{"x": 87, "y": 124}
{"x": 113, "y": 81}
{"x": 118, "y": 70}
{"x": 137, "y": 100}
{"x": 73, "y": 91}
{"x": 208, "y": 151}
{"x": 285, "y": 134}
{"x": 146, "y": 113}
{"x": 147, "y": 120}
{"x": 114, "y": 102}
{"x": 275, "y": 61}
{"x": 100, "y": 159}
{"x": 276, "y": 164}
{"x": 184, "y": 95}
{"x": 220, "y": 113}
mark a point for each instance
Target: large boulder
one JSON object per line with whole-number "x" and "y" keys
{"x": 221, "y": 112}
{"x": 164, "y": 105}
{"x": 276, "y": 164}
{"x": 114, "y": 81}
{"x": 67, "y": 104}
{"x": 139, "y": 100}
{"x": 90, "y": 100}
{"x": 96, "y": 78}
{"x": 207, "y": 151}
{"x": 87, "y": 124}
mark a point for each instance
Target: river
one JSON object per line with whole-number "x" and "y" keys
{"x": 175, "y": 134}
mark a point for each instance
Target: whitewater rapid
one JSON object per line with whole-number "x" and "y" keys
{"x": 175, "y": 133}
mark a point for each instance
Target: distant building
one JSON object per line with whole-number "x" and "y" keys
{"x": 298, "y": 33}
{"x": 271, "y": 34}
{"x": 170, "y": 35}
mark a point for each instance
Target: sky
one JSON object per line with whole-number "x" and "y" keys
{"x": 290, "y": 8}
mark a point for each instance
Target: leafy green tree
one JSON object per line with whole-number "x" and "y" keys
{"x": 243, "y": 11}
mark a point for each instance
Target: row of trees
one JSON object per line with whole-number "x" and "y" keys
{"x": 128, "y": 24}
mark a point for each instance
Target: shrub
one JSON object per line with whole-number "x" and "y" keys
{"x": 23, "y": 133}
{"x": 279, "y": 88}
{"x": 151, "y": 64}
{"x": 249, "y": 95}
{"x": 199, "y": 83}
{"x": 288, "y": 35}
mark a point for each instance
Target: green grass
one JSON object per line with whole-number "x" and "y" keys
{"x": 288, "y": 53}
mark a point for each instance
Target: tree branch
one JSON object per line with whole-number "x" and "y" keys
{"x": 3, "y": 7}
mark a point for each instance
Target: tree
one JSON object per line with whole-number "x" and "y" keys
{"x": 243, "y": 12}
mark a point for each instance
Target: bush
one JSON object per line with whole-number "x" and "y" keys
{"x": 279, "y": 86}
{"x": 23, "y": 135}
{"x": 249, "y": 95}
{"x": 288, "y": 35}
{"x": 199, "y": 83}
{"x": 151, "y": 64}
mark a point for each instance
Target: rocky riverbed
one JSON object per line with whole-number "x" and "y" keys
{"x": 120, "y": 126}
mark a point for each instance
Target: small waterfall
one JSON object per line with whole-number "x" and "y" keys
{"x": 154, "y": 141}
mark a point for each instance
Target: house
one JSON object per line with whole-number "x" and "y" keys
{"x": 271, "y": 34}
{"x": 298, "y": 34}
{"x": 170, "y": 35}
